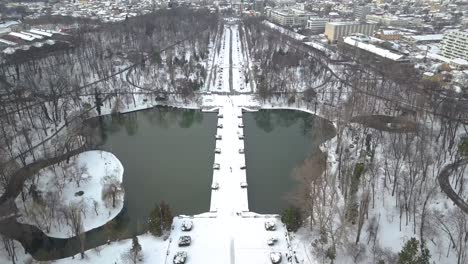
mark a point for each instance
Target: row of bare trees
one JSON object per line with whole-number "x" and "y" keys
{"x": 372, "y": 168}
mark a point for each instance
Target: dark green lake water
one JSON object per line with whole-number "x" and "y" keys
{"x": 277, "y": 142}
{"x": 168, "y": 153}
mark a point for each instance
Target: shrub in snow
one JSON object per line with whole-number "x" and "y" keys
{"x": 160, "y": 219}
{"x": 187, "y": 225}
{"x": 412, "y": 253}
{"x": 180, "y": 257}
{"x": 463, "y": 148}
{"x": 292, "y": 218}
{"x": 270, "y": 226}
{"x": 275, "y": 257}
{"x": 331, "y": 253}
{"x": 185, "y": 241}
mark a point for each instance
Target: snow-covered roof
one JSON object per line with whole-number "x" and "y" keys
{"x": 390, "y": 31}
{"x": 22, "y": 36}
{"x": 41, "y": 32}
{"x": 373, "y": 49}
{"x": 4, "y": 30}
{"x": 432, "y": 37}
{"x": 7, "y": 42}
{"x": 460, "y": 62}
{"x": 438, "y": 57}
{"x": 9, "y": 50}
{"x": 8, "y": 24}
{"x": 32, "y": 35}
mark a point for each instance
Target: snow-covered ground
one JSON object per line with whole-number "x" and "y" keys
{"x": 239, "y": 64}
{"x": 21, "y": 257}
{"x": 231, "y": 239}
{"x": 153, "y": 251}
{"x": 240, "y": 68}
{"x": 94, "y": 171}
{"x": 230, "y": 196}
{"x": 222, "y": 64}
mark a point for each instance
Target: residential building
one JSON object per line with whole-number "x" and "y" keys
{"x": 337, "y": 30}
{"x": 388, "y": 35}
{"x": 361, "y": 11}
{"x": 455, "y": 45}
{"x": 364, "y": 44}
{"x": 395, "y": 21}
{"x": 259, "y": 6}
{"x": 317, "y": 24}
{"x": 282, "y": 17}
{"x": 290, "y": 17}
{"x": 8, "y": 26}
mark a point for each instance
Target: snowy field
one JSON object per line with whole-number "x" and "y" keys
{"x": 231, "y": 239}
{"x": 90, "y": 173}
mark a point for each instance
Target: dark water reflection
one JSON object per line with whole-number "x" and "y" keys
{"x": 276, "y": 142}
{"x": 167, "y": 154}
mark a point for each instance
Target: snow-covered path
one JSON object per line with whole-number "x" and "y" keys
{"x": 231, "y": 51}
{"x": 222, "y": 62}
{"x": 230, "y": 197}
{"x": 229, "y": 233}
{"x": 239, "y": 64}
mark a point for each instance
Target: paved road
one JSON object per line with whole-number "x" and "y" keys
{"x": 444, "y": 183}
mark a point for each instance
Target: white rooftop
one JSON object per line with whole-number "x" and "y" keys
{"x": 22, "y": 36}
{"x": 373, "y": 49}
{"x": 432, "y": 37}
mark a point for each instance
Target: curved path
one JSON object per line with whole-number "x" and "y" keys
{"x": 444, "y": 183}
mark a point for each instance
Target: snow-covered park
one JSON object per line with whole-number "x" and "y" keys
{"x": 89, "y": 185}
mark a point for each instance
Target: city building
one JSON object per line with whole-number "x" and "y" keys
{"x": 336, "y": 30}
{"x": 259, "y": 6}
{"x": 361, "y": 11}
{"x": 423, "y": 39}
{"x": 8, "y": 26}
{"x": 388, "y": 35}
{"x": 365, "y": 45}
{"x": 317, "y": 24}
{"x": 455, "y": 45}
{"x": 395, "y": 21}
{"x": 290, "y": 17}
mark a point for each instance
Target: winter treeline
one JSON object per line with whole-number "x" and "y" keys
{"x": 395, "y": 133}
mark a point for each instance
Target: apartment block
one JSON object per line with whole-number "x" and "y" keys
{"x": 455, "y": 45}
{"x": 289, "y": 17}
{"x": 337, "y": 30}
{"x": 317, "y": 24}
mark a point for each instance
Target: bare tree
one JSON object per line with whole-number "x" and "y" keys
{"x": 10, "y": 248}
{"x": 134, "y": 255}
{"x": 111, "y": 190}
{"x": 363, "y": 210}
{"x": 74, "y": 219}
